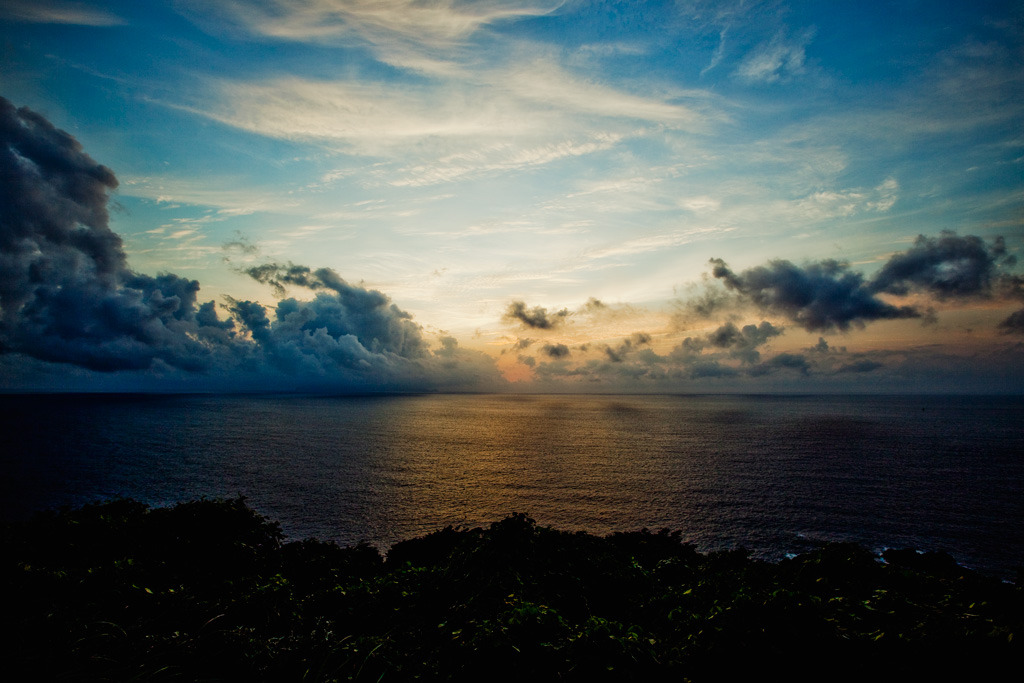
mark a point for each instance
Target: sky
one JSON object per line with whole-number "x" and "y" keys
{"x": 395, "y": 195}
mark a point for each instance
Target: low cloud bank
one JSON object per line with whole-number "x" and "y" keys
{"x": 825, "y": 296}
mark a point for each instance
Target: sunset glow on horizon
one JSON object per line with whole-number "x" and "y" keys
{"x": 511, "y": 196}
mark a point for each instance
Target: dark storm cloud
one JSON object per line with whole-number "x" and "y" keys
{"x": 536, "y": 318}
{"x": 68, "y": 296}
{"x": 53, "y": 207}
{"x": 947, "y": 266}
{"x": 820, "y": 296}
{"x": 555, "y": 350}
{"x": 66, "y": 292}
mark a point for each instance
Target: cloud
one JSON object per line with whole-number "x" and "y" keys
{"x": 555, "y": 350}
{"x": 438, "y": 130}
{"x": 863, "y": 365}
{"x": 743, "y": 343}
{"x": 641, "y": 245}
{"x": 368, "y": 117}
{"x": 546, "y": 83}
{"x": 522, "y": 344}
{"x": 703, "y": 301}
{"x": 730, "y": 336}
{"x": 828, "y": 295}
{"x": 776, "y": 60}
{"x": 536, "y": 318}
{"x": 737, "y": 343}
{"x": 436, "y": 24}
{"x": 449, "y": 126}
{"x": 820, "y": 296}
{"x": 635, "y": 341}
{"x": 1013, "y": 324}
{"x": 824, "y": 204}
{"x": 366, "y": 315}
{"x": 783, "y": 361}
{"x": 66, "y": 292}
{"x": 55, "y": 12}
{"x": 67, "y": 295}
{"x": 948, "y": 266}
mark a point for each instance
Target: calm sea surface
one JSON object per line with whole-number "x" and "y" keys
{"x": 775, "y": 474}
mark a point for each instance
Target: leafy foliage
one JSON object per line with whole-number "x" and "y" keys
{"x": 208, "y": 590}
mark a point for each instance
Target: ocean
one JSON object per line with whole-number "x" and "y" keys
{"x": 774, "y": 474}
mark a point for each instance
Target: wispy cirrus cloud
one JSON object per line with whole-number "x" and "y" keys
{"x": 448, "y": 129}
{"x": 55, "y": 12}
{"x": 649, "y": 243}
{"x": 223, "y": 194}
{"x": 502, "y": 104}
{"x": 778, "y": 59}
{"x": 437, "y": 24}
{"x": 366, "y": 117}
{"x": 467, "y": 98}
{"x": 545, "y": 82}
{"x": 494, "y": 159}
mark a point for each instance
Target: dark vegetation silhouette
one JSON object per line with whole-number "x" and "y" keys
{"x": 209, "y": 591}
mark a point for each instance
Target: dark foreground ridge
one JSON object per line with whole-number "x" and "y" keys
{"x": 208, "y": 590}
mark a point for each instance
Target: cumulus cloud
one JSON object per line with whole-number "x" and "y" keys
{"x": 555, "y": 350}
{"x": 742, "y": 342}
{"x": 729, "y": 335}
{"x": 521, "y": 344}
{"x": 829, "y": 295}
{"x": 619, "y": 353}
{"x": 820, "y": 296}
{"x": 366, "y": 314}
{"x": 948, "y": 266}
{"x": 537, "y": 318}
{"x": 66, "y": 292}
{"x": 728, "y": 339}
{"x": 67, "y": 295}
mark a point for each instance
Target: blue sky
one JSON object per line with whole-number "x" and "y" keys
{"x": 586, "y": 159}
